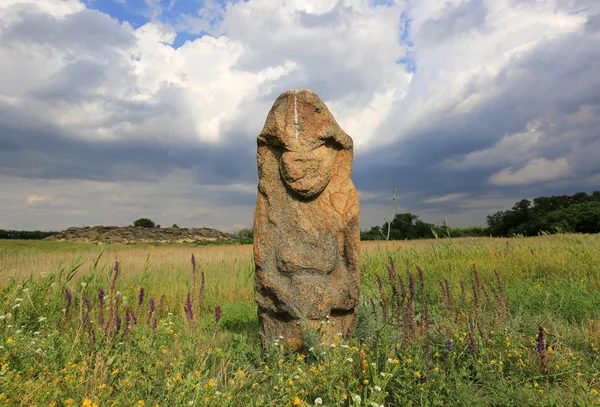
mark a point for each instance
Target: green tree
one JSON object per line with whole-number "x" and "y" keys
{"x": 144, "y": 223}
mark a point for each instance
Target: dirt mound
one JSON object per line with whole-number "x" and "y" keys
{"x": 134, "y": 234}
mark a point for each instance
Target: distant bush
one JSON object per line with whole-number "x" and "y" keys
{"x": 144, "y": 223}
{"x": 245, "y": 233}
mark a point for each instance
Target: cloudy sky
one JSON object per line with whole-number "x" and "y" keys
{"x": 111, "y": 110}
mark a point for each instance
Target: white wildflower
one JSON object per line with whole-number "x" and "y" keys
{"x": 25, "y": 290}
{"x": 318, "y": 401}
{"x": 17, "y": 305}
{"x": 377, "y": 388}
{"x": 357, "y": 398}
{"x": 218, "y": 393}
{"x": 84, "y": 284}
{"x": 390, "y": 360}
{"x": 350, "y": 360}
{"x": 18, "y": 299}
{"x": 18, "y": 331}
{"x": 42, "y": 319}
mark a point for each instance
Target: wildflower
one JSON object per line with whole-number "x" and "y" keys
{"x": 217, "y": 314}
{"x": 189, "y": 308}
{"x": 212, "y": 382}
{"x": 357, "y": 398}
{"x": 42, "y": 319}
{"x": 141, "y": 403}
{"x": 10, "y": 340}
{"x": 350, "y": 360}
{"x": 377, "y": 388}
{"x": 436, "y": 369}
{"x": 87, "y": 403}
{"x": 318, "y": 401}
{"x": 115, "y": 276}
{"x": 417, "y": 374}
{"x": 69, "y": 299}
{"x": 594, "y": 392}
{"x": 449, "y": 345}
{"x": 69, "y": 402}
{"x": 409, "y": 361}
{"x": 297, "y": 401}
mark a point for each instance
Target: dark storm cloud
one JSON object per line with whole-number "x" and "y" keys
{"x": 43, "y": 151}
{"x": 557, "y": 83}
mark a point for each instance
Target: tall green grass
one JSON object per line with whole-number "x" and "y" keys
{"x": 437, "y": 346}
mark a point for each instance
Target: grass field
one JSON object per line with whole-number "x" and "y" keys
{"x": 466, "y": 322}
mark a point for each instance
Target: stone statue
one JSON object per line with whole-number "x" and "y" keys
{"x": 306, "y": 222}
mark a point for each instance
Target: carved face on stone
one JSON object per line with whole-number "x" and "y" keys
{"x": 307, "y": 173}
{"x": 306, "y": 139}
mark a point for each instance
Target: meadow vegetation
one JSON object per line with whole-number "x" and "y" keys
{"x": 470, "y": 322}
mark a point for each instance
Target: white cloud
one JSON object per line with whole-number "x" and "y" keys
{"x": 445, "y": 198}
{"x": 537, "y": 170}
{"x": 38, "y": 199}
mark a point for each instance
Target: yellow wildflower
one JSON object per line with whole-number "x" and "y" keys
{"x": 141, "y": 403}
{"x": 409, "y": 361}
{"x": 436, "y": 369}
{"x": 254, "y": 385}
{"x": 417, "y": 374}
{"x": 212, "y": 382}
{"x": 69, "y": 402}
{"x": 10, "y": 340}
{"x": 297, "y": 401}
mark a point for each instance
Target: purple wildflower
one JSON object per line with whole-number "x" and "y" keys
{"x": 194, "y": 275}
{"x": 86, "y": 311}
{"x": 115, "y": 276}
{"x": 150, "y": 312}
{"x": 189, "y": 308}
{"x": 392, "y": 270}
{"x": 449, "y": 345}
{"x": 411, "y": 284}
{"x": 154, "y": 324}
{"x": 101, "y": 295}
{"x": 217, "y": 314}
{"x": 541, "y": 348}
{"x": 402, "y": 287}
{"x": 117, "y": 324}
{"x": 141, "y": 296}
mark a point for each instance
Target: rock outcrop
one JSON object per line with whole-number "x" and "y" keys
{"x": 306, "y": 222}
{"x": 134, "y": 234}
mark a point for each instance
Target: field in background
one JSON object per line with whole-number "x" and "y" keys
{"x": 205, "y": 350}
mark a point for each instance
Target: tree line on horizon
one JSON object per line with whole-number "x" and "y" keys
{"x": 577, "y": 213}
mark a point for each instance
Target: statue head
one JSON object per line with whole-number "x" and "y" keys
{"x": 306, "y": 139}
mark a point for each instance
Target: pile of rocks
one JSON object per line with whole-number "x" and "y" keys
{"x": 134, "y": 234}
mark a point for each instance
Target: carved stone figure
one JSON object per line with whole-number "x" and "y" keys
{"x": 306, "y": 221}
